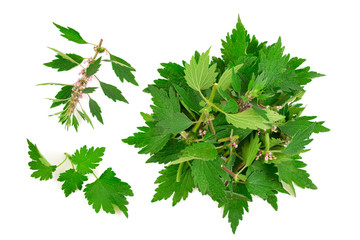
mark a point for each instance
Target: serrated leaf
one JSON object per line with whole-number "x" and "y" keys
{"x": 108, "y": 191}
{"x": 198, "y": 74}
{"x": 121, "y": 71}
{"x": 93, "y": 67}
{"x": 70, "y": 34}
{"x": 170, "y": 152}
{"x": 175, "y": 123}
{"x": 250, "y": 149}
{"x": 64, "y": 64}
{"x": 206, "y": 176}
{"x": 231, "y": 106}
{"x": 250, "y": 119}
{"x": 42, "y": 168}
{"x": 300, "y": 140}
{"x": 64, "y": 56}
{"x": 168, "y": 186}
{"x": 202, "y": 151}
{"x": 112, "y": 92}
{"x": 291, "y": 172}
{"x": 150, "y": 139}
{"x": 236, "y": 206}
{"x": 263, "y": 182}
{"x": 227, "y": 76}
{"x": 63, "y": 95}
{"x": 72, "y": 181}
{"x": 89, "y": 90}
{"x": 86, "y": 160}
{"x": 293, "y": 126}
{"x": 235, "y": 45}
{"x": 95, "y": 110}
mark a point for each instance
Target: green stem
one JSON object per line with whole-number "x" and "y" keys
{"x": 95, "y": 175}
{"x": 267, "y": 142}
{"x": 198, "y": 124}
{"x": 213, "y": 92}
{"x": 178, "y": 175}
{"x": 211, "y": 104}
{"x": 66, "y": 157}
{"x": 98, "y": 47}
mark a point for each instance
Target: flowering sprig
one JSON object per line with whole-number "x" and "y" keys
{"x": 71, "y": 95}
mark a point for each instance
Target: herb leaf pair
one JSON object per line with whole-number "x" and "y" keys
{"x": 230, "y": 126}
{"x": 70, "y": 96}
{"x": 104, "y": 193}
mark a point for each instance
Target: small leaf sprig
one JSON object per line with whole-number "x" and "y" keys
{"x": 230, "y": 126}
{"x": 70, "y": 95}
{"x": 104, "y": 193}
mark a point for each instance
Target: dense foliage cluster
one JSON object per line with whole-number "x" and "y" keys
{"x": 70, "y": 95}
{"x": 230, "y": 127}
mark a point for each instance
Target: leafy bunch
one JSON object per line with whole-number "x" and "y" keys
{"x": 69, "y": 96}
{"x": 105, "y": 192}
{"x": 230, "y": 127}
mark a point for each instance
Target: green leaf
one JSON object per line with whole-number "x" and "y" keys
{"x": 235, "y": 82}
{"x": 122, "y": 69}
{"x": 202, "y": 151}
{"x": 261, "y": 112}
{"x": 64, "y": 64}
{"x": 250, "y": 119}
{"x": 165, "y": 104}
{"x": 235, "y": 45}
{"x": 89, "y": 90}
{"x": 93, "y": 67}
{"x": 70, "y": 34}
{"x": 64, "y": 94}
{"x": 86, "y": 160}
{"x": 175, "y": 123}
{"x": 227, "y": 76}
{"x": 231, "y": 106}
{"x": 300, "y": 140}
{"x": 235, "y": 206}
{"x": 250, "y": 149}
{"x": 189, "y": 97}
{"x": 293, "y": 126}
{"x": 72, "y": 181}
{"x": 150, "y": 139}
{"x": 263, "y": 182}
{"x": 64, "y": 56}
{"x": 112, "y": 92}
{"x": 108, "y": 191}
{"x": 170, "y": 152}
{"x": 42, "y": 168}
{"x": 207, "y": 177}
{"x": 168, "y": 186}
{"x": 95, "y": 110}
{"x": 290, "y": 172}
{"x": 198, "y": 74}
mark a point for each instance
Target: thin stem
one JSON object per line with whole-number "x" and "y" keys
{"x": 229, "y": 172}
{"x": 237, "y": 155}
{"x": 211, "y": 104}
{"x": 267, "y": 142}
{"x": 178, "y": 174}
{"x": 66, "y": 157}
{"x": 198, "y": 123}
{"x": 97, "y": 50}
{"x": 95, "y": 175}
{"x": 213, "y": 92}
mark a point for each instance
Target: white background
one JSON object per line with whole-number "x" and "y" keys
{"x": 147, "y": 33}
